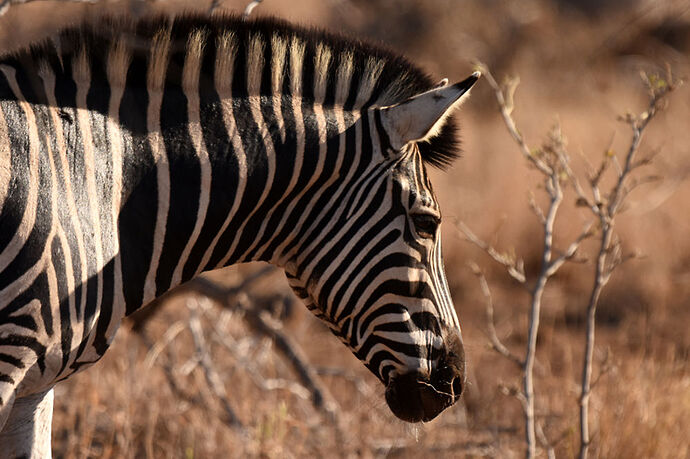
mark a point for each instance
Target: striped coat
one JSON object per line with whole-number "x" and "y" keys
{"x": 134, "y": 156}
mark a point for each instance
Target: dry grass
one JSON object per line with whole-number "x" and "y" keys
{"x": 581, "y": 71}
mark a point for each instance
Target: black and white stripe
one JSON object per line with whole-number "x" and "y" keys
{"x": 135, "y": 156}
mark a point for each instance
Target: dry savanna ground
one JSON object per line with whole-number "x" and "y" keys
{"x": 153, "y": 395}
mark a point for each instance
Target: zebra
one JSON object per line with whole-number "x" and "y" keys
{"x": 137, "y": 154}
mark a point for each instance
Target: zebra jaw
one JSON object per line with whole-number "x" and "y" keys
{"x": 421, "y": 117}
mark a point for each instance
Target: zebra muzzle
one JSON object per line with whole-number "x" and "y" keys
{"x": 414, "y": 398}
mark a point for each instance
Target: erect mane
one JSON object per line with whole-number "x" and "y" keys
{"x": 378, "y": 76}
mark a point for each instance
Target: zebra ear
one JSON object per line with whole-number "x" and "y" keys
{"x": 421, "y": 117}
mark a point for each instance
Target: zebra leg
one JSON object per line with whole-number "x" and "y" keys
{"x": 26, "y": 432}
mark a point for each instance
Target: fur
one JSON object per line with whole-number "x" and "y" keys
{"x": 376, "y": 76}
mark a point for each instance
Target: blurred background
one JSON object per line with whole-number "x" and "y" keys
{"x": 173, "y": 380}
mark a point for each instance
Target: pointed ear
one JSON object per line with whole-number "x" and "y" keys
{"x": 421, "y": 117}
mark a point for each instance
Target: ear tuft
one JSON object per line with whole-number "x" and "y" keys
{"x": 421, "y": 117}
{"x": 443, "y": 149}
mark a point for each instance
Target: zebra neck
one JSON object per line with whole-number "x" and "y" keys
{"x": 228, "y": 180}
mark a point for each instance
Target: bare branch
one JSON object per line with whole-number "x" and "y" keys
{"x": 212, "y": 378}
{"x": 505, "y": 103}
{"x": 536, "y": 209}
{"x": 215, "y": 4}
{"x": 247, "y": 364}
{"x": 550, "y": 453}
{"x": 606, "y": 366}
{"x": 570, "y": 252}
{"x": 556, "y": 194}
{"x": 250, "y": 7}
{"x": 513, "y": 267}
{"x": 551, "y": 161}
{"x": 582, "y": 199}
{"x": 168, "y": 337}
{"x": 609, "y": 256}
{"x": 658, "y": 89}
{"x": 496, "y": 343}
{"x": 261, "y": 322}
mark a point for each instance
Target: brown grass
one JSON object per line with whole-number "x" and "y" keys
{"x": 579, "y": 70}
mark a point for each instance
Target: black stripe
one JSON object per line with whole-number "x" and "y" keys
{"x": 137, "y": 218}
{"x": 224, "y": 177}
{"x": 384, "y": 140}
{"x": 346, "y": 261}
{"x": 28, "y": 342}
{"x": 185, "y": 175}
{"x": 322, "y": 213}
{"x": 12, "y": 360}
{"x": 17, "y": 190}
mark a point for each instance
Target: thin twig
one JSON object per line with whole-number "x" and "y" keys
{"x": 506, "y": 110}
{"x": 570, "y": 252}
{"x": 536, "y": 209}
{"x": 556, "y": 194}
{"x": 215, "y": 4}
{"x": 168, "y": 337}
{"x": 513, "y": 267}
{"x": 609, "y": 247}
{"x": 496, "y": 343}
{"x": 260, "y": 321}
{"x": 550, "y": 453}
{"x": 551, "y": 160}
{"x": 212, "y": 378}
{"x": 250, "y": 7}
{"x": 247, "y": 364}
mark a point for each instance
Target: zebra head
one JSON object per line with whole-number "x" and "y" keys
{"x": 376, "y": 277}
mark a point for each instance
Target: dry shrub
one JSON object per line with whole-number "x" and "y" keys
{"x": 643, "y": 411}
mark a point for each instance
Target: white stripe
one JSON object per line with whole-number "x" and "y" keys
{"x": 360, "y": 256}
{"x": 296, "y": 51}
{"x": 325, "y": 246}
{"x": 342, "y": 83}
{"x": 82, "y": 78}
{"x": 296, "y": 63}
{"x": 409, "y": 363}
{"x": 223, "y": 82}
{"x": 154, "y": 85}
{"x": 254, "y": 70}
{"x": 28, "y": 219}
{"x": 53, "y": 297}
{"x": 118, "y": 64}
{"x": 5, "y": 160}
{"x": 277, "y": 78}
{"x": 190, "y": 87}
{"x": 278, "y": 55}
{"x": 444, "y": 287}
{"x": 48, "y": 78}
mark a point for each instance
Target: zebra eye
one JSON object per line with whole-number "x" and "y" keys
{"x": 425, "y": 225}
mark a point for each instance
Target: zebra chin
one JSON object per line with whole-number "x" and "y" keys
{"x": 413, "y": 397}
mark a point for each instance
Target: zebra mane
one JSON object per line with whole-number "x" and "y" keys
{"x": 334, "y": 70}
